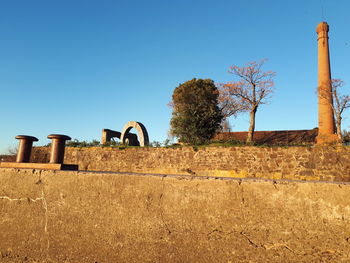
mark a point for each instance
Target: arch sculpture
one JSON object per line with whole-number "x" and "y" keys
{"x": 141, "y": 132}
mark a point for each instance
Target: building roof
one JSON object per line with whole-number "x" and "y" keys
{"x": 272, "y": 137}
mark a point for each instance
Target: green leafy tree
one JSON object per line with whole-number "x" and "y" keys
{"x": 196, "y": 115}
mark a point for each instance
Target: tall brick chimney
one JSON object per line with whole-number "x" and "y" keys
{"x": 326, "y": 127}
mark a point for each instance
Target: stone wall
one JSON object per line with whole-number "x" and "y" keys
{"x": 80, "y": 217}
{"x": 302, "y": 163}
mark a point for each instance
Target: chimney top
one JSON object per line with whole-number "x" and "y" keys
{"x": 322, "y": 27}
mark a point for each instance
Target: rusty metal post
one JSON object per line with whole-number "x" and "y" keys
{"x": 57, "y": 147}
{"x": 25, "y": 148}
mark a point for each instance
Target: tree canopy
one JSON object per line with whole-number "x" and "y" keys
{"x": 196, "y": 115}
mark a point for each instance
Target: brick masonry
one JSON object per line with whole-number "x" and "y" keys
{"x": 287, "y": 137}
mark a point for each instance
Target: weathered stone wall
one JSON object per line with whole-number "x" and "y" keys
{"x": 80, "y": 217}
{"x": 304, "y": 163}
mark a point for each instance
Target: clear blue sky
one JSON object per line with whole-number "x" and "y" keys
{"x": 78, "y": 66}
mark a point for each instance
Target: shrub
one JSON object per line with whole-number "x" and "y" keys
{"x": 196, "y": 115}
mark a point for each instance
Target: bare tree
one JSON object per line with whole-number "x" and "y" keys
{"x": 12, "y": 150}
{"x": 253, "y": 89}
{"x": 340, "y": 103}
{"x": 225, "y": 126}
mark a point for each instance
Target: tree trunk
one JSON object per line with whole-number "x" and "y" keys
{"x": 251, "y": 126}
{"x": 338, "y": 124}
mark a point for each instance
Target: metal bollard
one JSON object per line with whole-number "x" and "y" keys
{"x": 25, "y": 148}
{"x": 57, "y": 147}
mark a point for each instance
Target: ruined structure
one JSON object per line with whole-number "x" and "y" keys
{"x": 326, "y": 125}
{"x": 126, "y": 137}
{"x": 141, "y": 131}
{"x": 108, "y": 134}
